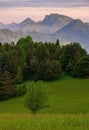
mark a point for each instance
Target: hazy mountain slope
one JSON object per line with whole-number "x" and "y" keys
{"x": 41, "y": 37}
{"x": 12, "y": 26}
{"x": 8, "y": 36}
{"x": 26, "y": 22}
{"x": 50, "y": 24}
{"x": 2, "y": 25}
{"x": 55, "y": 21}
{"x": 16, "y": 27}
{"x": 28, "y": 25}
{"x": 75, "y": 31}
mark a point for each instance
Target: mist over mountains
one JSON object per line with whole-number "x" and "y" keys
{"x": 51, "y": 28}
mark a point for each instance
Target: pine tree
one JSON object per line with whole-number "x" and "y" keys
{"x": 6, "y": 90}
{"x": 19, "y": 78}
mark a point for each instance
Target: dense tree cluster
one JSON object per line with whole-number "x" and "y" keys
{"x": 28, "y": 60}
{"x": 82, "y": 68}
{"x": 38, "y": 61}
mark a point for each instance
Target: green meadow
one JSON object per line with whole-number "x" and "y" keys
{"x": 68, "y": 108}
{"x": 67, "y": 95}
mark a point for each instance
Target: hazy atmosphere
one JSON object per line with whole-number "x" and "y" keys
{"x": 17, "y": 10}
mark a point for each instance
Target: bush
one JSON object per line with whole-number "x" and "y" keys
{"x": 36, "y": 98}
{"x": 19, "y": 90}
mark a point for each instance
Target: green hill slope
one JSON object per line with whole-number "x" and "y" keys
{"x": 67, "y": 95}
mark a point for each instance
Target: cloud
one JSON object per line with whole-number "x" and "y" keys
{"x": 44, "y": 3}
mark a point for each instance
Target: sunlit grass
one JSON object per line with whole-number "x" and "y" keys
{"x": 43, "y": 122}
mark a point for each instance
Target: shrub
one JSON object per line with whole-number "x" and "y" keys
{"x": 36, "y": 98}
{"x": 19, "y": 90}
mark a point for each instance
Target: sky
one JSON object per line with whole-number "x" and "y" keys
{"x": 18, "y": 10}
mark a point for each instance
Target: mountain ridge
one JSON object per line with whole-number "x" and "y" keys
{"x": 52, "y": 27}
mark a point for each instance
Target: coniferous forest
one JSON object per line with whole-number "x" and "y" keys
{"x": 29, "y": 60}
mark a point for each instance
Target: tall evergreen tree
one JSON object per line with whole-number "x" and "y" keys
{"x": 6, "y": 90}
{"x": 19, "y": 77}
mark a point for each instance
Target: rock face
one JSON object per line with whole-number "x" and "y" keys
{"x": 52, "y": 27}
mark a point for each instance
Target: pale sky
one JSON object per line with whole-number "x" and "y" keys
{"x": 18, "y": 10}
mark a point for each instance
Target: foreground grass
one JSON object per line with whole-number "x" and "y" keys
{"x": 43, "y": 122}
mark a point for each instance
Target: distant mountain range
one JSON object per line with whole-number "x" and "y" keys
{"x": 51, "y": 28}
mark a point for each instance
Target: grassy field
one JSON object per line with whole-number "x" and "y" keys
{"x": 68, "y": 101}
{"x": 65, "y": 96}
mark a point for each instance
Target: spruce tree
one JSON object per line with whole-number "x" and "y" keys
{"x": 6, "y": 90}
{"x": 19, "y": 77}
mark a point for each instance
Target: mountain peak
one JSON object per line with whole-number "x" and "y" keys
{"x": 52, "y": 16}
{"x": 27, "y": 21}
{"x": 55, "y": 18}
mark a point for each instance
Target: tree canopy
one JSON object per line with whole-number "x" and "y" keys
{"x": 82, "y": 68}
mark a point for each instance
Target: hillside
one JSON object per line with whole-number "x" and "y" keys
{"x": 67, "y": 95}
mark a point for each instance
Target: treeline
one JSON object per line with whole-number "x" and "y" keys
{"x": 29, "y": 60}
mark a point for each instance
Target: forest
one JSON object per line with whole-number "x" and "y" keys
{"x": 29, "y": 60}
